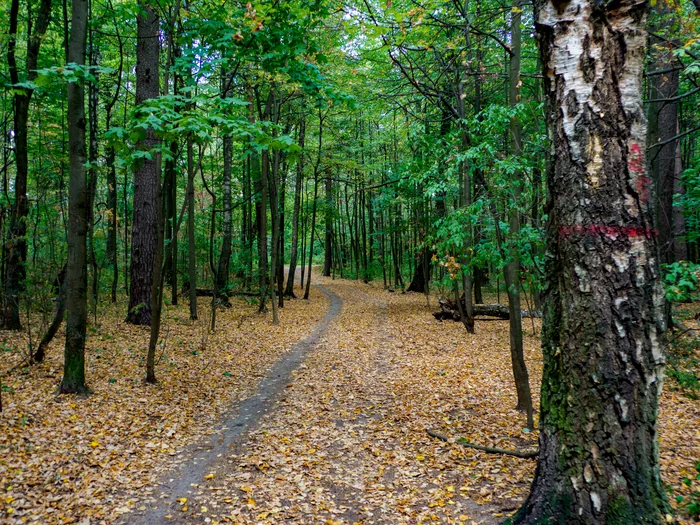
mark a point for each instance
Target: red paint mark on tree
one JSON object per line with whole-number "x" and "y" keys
{"x": 635, "y": 162}
{"x": 636, "y": 165}
{"x": 612, "y": 231}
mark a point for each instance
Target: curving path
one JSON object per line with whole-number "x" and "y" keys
{"x": 335, "y": 434}
{"x": 209, "y": 456}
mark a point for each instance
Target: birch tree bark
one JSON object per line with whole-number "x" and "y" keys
{"x": 603, "y": 317}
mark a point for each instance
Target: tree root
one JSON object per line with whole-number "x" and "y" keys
{"x": 526, "y": 454}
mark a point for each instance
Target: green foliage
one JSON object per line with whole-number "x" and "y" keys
{"x": 691, "y": 503}
{"x": 680, "y": 280}
{"x": 683, "y": 366}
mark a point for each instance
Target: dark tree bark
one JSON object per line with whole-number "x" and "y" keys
{"x": 76, "y": 270}
{"x": 144, "y": 227}
{"x": 603, "y": 317}
{"x": 272, "y": 184}
{"x": 225, "y": 255}
{"x": 289, "y": 290}
{"x": 157, "y": 286}
{"x": 328, "y": 209}
{"x": 93, "y": 150}
{"x": 261, "y": 214}
{"x": 16, "y": 244}
{"x": 511, "y": 272}
{"x": 313, "y": 212}
{"x": 191, "y": 247}
{"x": 419, "y": 275}
{"x": 170, "y": 219}
{"x": 663, "y": 127}
{"x": 169, "y": 188}
{"x": 311, "y": 239}
{"x": 112, "y": 182}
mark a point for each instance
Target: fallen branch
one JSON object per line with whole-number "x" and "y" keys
{"x": 449, "y": 310}
{"x": 527, "y": 454}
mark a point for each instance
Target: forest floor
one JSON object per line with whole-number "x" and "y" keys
{"x": 321, "y": 419}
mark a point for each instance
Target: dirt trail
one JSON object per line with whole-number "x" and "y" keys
{"x": 327, "y": 439}
{"x": 207, "y": 456}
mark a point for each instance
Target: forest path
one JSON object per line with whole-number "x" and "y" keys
{"x": 330, "y": 436}
{"x": 207, "y": 455}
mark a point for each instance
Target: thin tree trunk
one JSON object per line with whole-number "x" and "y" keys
{"x": 76, "y": 270}
{"x": 328, "y": 209}
{"x": 192, "y": 253}
{"x": 16, "y": 249}
{"x": 93, "y": 101}
{"x": 262, "y": 230}
{"x": 289, "y": 290}
{"x": 157, "y": 286}
{"x": 311, "y": 238}
{"x": 225, "y": 255}
{"x": 511, "y": 272}
{"x": 271, "y": 183}
{"x": 313, "y": 213}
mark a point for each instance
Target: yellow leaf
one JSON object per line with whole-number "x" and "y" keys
{"x": 185, "y": 508}
{"x": 94, "y": 443}
{"x": 182, "y": 500}
{"x": 263, "y": 515}
{"x": 420, "y": 457}
{"x": 9, "y": 499}
{"x": 251, "y": 502}
{"x": 209, "y": 476}
{"x": 246, "y": 488}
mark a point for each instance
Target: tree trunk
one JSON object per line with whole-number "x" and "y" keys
{"x": 289, "y": 290}
{"x": 191, "y": 247}
{"x": 311, "y": 239}
{"x": 261, "y": 211}
{"x": 157, "y": 286}
{"x": 93, "y": 149}
{"x": 16, "y": 235}
{"x": 144, "y": 228}
{"x": 112, "y": 218}
{"x": 663, "y": 126}
{"x": 76, "y": 270}
{"x": 169, "y": 202}
{"x": 270, "y": 182}
{"x": 603, "y": 322}
{"x": 328, "y": 208}
{"x": 511, "y": 272}
{"x": 419, "y": 275}
{"x": 225, "y": 255}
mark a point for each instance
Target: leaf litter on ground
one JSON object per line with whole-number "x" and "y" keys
{"x": 346, "y": 444}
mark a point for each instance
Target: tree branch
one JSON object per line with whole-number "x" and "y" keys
{"x": 529, "y": 454}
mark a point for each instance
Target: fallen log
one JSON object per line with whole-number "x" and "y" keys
{"x": 525, "y": 454}
{"x": 449, "y": 310}
{"x": 221, "y": 299}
